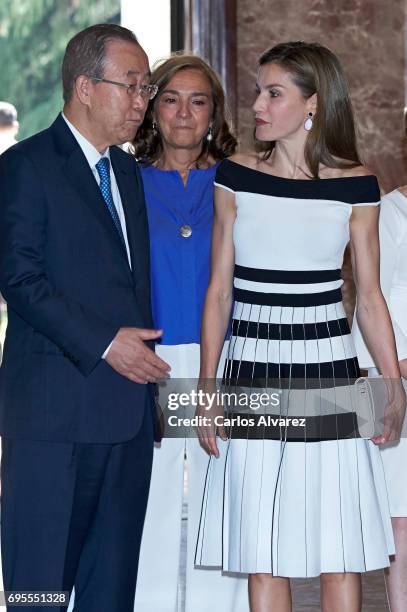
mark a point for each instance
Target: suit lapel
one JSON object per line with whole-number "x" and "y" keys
{"x": 79, "y": 174}
{"x": 125, "y": 173}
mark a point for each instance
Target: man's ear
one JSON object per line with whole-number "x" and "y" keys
{"x": 83, "y": 86}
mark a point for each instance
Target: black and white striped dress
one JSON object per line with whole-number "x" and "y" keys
{"x": 284, "y": 500}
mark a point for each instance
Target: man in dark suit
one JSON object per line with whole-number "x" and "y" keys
{"x": 76, "y": 404}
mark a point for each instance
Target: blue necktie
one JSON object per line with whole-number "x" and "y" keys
{"x": 103, "y": 168}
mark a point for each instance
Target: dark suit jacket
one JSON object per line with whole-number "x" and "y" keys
{"x": 65, "y": 276}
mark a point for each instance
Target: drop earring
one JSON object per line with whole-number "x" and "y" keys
{"x": 154, "y": 128}
{"x": 308, "y": 122}
{"x": 209, "y": 135}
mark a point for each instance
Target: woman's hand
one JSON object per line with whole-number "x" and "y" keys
{"x": 211, "y": 414}
{"x": 394, "y": 412}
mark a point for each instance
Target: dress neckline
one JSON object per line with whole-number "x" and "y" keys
{"x": 284, "y": 178}
{"x": 210, "y": 168}
{"x": 194, "y": 174}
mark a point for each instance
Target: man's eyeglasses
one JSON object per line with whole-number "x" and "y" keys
{"x": 145, "y": 91}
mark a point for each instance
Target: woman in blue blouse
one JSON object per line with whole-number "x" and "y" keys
{"x": 183, "y": 137}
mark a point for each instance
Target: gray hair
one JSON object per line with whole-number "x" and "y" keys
{"x": 86, "y": 53}
{"x": 8, "y": 114}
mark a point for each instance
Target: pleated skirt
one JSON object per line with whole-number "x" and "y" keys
{"x": 293, "y": 506}
{"x": 300, "y": 511}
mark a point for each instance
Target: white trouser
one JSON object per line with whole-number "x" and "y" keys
{"x": 158, "y": 576}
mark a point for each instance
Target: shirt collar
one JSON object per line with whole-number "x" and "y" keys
{"x": 6, "y": 143}
{"x": 91, "y": 153}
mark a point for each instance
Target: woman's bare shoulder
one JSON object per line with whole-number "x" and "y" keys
{"x": 250, "y": 160}
{"x": 357, "y": 171}
{"x": 346, "y": 172}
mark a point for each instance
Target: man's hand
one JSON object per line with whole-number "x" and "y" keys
{"x": 132, "y": 358}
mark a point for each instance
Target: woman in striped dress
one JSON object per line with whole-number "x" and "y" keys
{"x": 301, "y": 497}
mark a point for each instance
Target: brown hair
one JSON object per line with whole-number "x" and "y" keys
{"x": 86, "y": 53}
{"x": 147, "y": 146}
{"x": 315, "y": 69}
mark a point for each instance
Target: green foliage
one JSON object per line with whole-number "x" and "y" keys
{"x": 33, "y": 37}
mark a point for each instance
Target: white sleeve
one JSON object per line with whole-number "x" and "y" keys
{"x": 391, "y": 231}
{"x": 224, "y": 187}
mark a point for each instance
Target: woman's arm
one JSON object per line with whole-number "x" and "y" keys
{"x": 392, "y": 236}
{"x": 371, "y": 309}
{"x": 219, "y": 295}
{"x": 372, "y": 312}
{"x": 216, "y": 314}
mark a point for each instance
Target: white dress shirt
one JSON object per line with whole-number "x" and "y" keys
{"x": 6, "y": 141}
{"x": 93, "y": 156}
{"x": 393, "y": 274}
